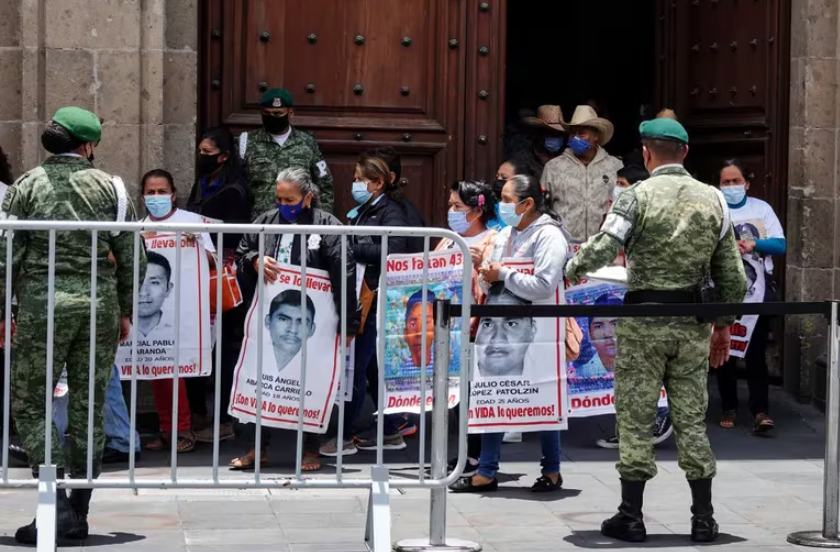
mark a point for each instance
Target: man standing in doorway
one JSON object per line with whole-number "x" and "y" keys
{"x": 278, "y": 146}
{"x": 580, "y": 182}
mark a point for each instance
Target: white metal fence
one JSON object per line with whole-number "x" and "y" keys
{"x": 378, "y": 484}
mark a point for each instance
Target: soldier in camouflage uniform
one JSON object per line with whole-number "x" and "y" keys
{"x": 66, "y": 187}
{"x": 676, "y": 233}
{"x": 278, "y": 146}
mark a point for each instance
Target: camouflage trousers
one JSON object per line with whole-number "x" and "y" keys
{"x": 643, "y": 364}
{"x": 71, "y": 347}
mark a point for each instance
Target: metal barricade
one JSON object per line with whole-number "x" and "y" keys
{"x": 378, "y": 519}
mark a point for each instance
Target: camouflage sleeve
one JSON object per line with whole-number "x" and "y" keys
{"x": 323, "y": 179}
{"x": 727, "y": 272}
{"x": 14, "y": 207}
{"x": 122, "y": 246}
{"x": 602, "y": 248}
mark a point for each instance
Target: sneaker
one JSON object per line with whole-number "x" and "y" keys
{"x": 226, "y": 433}
{"x": 611, "y": 443}
{"x": 662, "y": 430}
{"x": 330, "y": 448}
{"x": 408, "y": 428}
{"x": 389, "y": 442}
{"x": 512, "y": 437}
{"x": 470, "y": 469}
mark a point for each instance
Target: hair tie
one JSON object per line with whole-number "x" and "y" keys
{"x": 481, "y": 200}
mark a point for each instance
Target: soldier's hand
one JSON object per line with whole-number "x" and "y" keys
{"x": 721, "y": 343}
{"x": 3, "y": 332}
{"x": 125, "y": 329}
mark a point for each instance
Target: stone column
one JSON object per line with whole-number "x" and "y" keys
{"x": 813, "y": 209}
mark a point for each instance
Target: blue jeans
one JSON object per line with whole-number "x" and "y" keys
{"x": 491, "y": 451}
{"x": 117, "y": 422}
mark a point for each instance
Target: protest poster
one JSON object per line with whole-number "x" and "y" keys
{"x": 519, "y": 374}
{"x": 156, "y": 313}
{"x": 283, "y": 332}
{"x": 744, "y": 326}
{"x": 405, "y": 325}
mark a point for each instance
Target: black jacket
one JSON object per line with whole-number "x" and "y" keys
{"x": 327, "y": 257}
{"x": 414, "y": 218}
{"x": 230, "y": 202}
{"x": 368, "y": 249}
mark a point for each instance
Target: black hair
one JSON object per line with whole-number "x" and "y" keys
{"x": 56, "y": 139}
{"x": 525, "y": 187}
{"x": 392, "y": 159}
{"x": 417, "y": 299}
{"x": 291, "y": 297}
{"x": 738, "y": 164}
{"x": 478, "y": 195}
{"x": 375, "y": 168}
{"x": 633, "y": 173}
{"x": 665, "y": 150}
{"x": 5, "y": 169}
{"x": 153, "y": 257}
{"x": 157, "y": 173}
{"x": 232, "y": 169}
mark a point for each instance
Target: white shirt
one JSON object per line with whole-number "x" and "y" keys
{"x": 472, "y": 240}
{"x": 189, "y": 218}
{"x": 757, "y": 217}
{"x": 3, "y": 188}
{"x": 280, "y": 139}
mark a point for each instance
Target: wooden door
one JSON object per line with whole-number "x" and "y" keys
{"x": 364, "y": 73}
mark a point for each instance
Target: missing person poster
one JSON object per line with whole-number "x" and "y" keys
{"x": 591, "y": 376}
{"x": 406, "y": 323}
{"x": 518, "y": 381}
{"x": 156, "y": 313}
{"x": 289, "y": 318}
{"x": 744, "y": 326}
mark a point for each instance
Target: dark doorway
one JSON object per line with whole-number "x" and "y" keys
{"x": 571, "y": 53}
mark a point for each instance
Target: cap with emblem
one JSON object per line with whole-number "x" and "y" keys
{"x": 81, "y": 123}
{"x": 277, "y": 97}
{"x": 664, "y": 129}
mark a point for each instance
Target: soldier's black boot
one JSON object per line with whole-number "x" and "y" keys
{"x": 80, "y": 503}
{"x": 628, "y": 524}
{"x": 66, "y": 521}
{"x": 704, "y": 528}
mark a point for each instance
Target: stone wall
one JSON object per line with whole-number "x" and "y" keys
{"x": 813, "y": 254}
{"x": 133, "y": 62}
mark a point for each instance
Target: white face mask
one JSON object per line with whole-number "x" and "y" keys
{"x": 617, "y": 192}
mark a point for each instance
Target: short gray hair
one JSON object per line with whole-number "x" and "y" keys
{"x": 300, "y": 178}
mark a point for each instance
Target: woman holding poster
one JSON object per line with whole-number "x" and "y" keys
{"x": 297, "y": 203}
{"x": 760, "y": 236}
{"x": 535, "y": 237}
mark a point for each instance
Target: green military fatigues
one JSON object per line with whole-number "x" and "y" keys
{"x": 264, "y": 159}
{"x": 66, "y": 188}
{"x": 675, "y": 231}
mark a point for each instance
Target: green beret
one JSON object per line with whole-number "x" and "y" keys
{"x": 664, "y": 129}
{"x": 277, "y": 97}
{"x": 81, "y": 123}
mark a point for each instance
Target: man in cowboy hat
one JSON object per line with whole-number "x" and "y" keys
{"x": 579, "y": 183}
{"x": 549, "y": 136}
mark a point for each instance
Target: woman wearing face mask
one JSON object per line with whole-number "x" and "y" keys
{"x": 377, "y": 197}
{"x": 297, "y": 203}
{"x": 531, "y": 234}
{"x": 220, "y": 194}
{"x": 471, "y": 209}
{"x": 760, "y": 236}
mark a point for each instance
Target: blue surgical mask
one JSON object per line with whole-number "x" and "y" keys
{"x": 553, "y": 144}
{"x": 360, "y": 192}
{"x": 458, "y": 222}
{"x": 291, "y": 212}
{"x": 158, "y": 205}
{"x": 507, "y": 212}
{"x": 734, "y": 194}
{"x": 579, "y": 146}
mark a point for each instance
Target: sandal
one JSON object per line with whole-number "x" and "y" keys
{"x": 544, "y": 484}
{"x": 248, "y": 461}
{"x": 727, "y": 421}
{"x": 763, "y": 423}
{"x": 311, "y": 462}
{"x": 156, "y": 444}
{"x": 186, "y": 442}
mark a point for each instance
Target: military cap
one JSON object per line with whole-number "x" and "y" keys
{"x": 81, "y": 123}
{"x": 277, "y": 97}
{"x": 664, "y": 129}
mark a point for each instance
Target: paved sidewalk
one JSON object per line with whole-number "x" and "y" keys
{"x": 765, "y": 489}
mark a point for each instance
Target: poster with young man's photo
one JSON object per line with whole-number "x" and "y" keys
{"x": 156, "y": 307}
{"x": 290, "y": 318}
{"x": 754, "y": 269}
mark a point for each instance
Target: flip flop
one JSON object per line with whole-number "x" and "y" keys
{"x": 763, "y": 424}
{"x": 311, "y": 462}
{"x": 727, "y": 421}
{"x": 247, "y": 462}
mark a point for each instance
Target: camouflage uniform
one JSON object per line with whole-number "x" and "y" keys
{"x": 66, "y": 188}
{"x": 264, "y": 159}
{"x": 672, "y": 228}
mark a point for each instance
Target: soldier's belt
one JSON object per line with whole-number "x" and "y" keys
{"x": 656, "y": 296}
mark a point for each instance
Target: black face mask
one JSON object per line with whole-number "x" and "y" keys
{"x": 275, "y": 125}
{"x": 207, "y": 164}
{"x": 497, "y": 187}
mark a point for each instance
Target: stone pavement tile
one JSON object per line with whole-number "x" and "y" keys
{"x": 338, "y": 506}
{"x": 276, "y": 547}
{"x": 133, "y": 548}
{"x": 524, "y": 535}
{"x": 766, "y": 517}
{"x": 190, "y": 511}
{"x": 780, "y": 502}
{"x": 511, "y": 518}
{"x": 332, "y": 536}
{"x": 235, "y": 537}
{"x": 723, "y": 515}
{"x": 324, "y": 520}
{"x": 231, "y": 521}
{"x": 736, "y": 535}
{"x": 499, "y": 502}
{"x": 347, "y": 547}
{"x": 134, "y": 521}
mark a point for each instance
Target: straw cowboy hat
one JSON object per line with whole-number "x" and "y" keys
{"x": 585, "y": 116}
{"x": 549, "y": 117}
